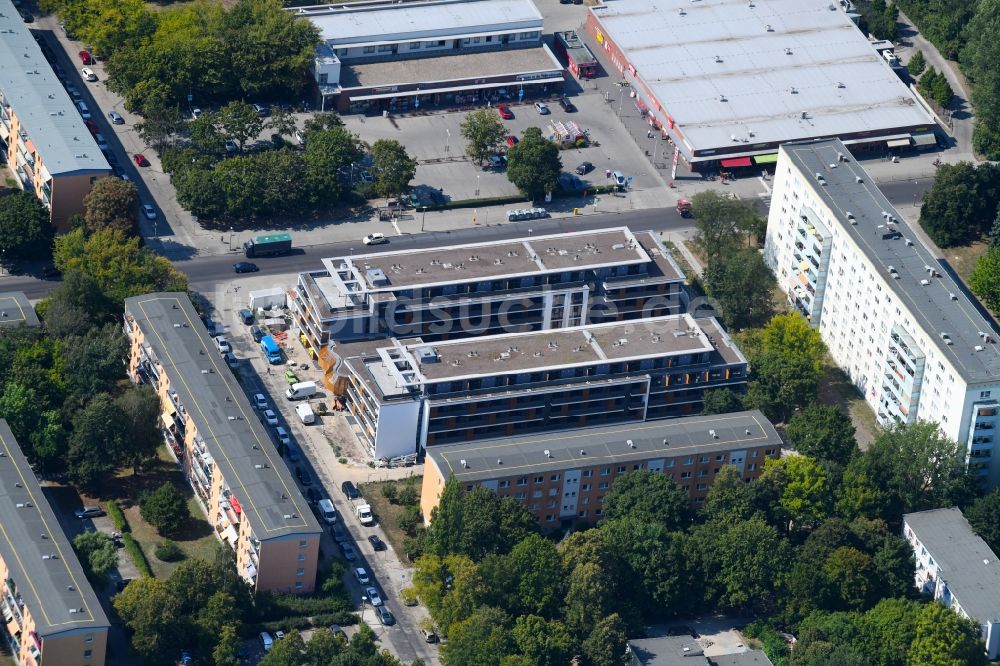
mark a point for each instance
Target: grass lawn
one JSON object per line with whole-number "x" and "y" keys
{"x": 196, "y": 538}
{"x": 836, "y": 389}
{"x": 388, "y": 514}
{"x": 963, "y": 259}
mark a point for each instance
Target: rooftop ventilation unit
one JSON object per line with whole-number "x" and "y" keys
{"x": 788, "y": 52}
{"x": 582, "y": 452}
{"x": 748, "y": 432}
{"x": 631, "y": 444}
{"x": 718, "y": 58}
{"x": 979, "y": 348}
{"x": 925, "y": 282}
{"x": 768, "y": 28}
{"x": 858, "y": 179}
{"x": 499, "y": 461}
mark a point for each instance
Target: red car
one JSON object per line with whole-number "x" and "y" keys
{"x": 511, "y": 141}
{"x": 505, "y": 112}
{"x": 86, "y": 58}
{"x": 140, "y": 160}
{"x": 92, "y": 126}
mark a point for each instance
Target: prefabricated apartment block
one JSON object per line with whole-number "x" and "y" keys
{"x": 518, "y": 285}
{"x": 51, "y": 616}
{"x": 228, "y": 457}
{"x": 895, "y": 320}
{"x": 405, "y": 395}
{"x": 562, "y": 477}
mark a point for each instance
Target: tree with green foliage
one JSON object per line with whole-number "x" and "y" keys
{"x": 653, "y": 563}
{"x": 985, "y": 279}
{"x": 91, "y": 363}
{"x": 543, "y": 642}
{"x": 917, "y": 64}
{"x": 408, "y": 494}
{"x": 199, "y": 192}
{"x": 95, "y": 443}
{"x": 226, "y": 652}
{"x": 605, "y": 646}
{"x": 165, "y": 508}
{"x": 485, "y": 133}
{"x": 888, "y": 629}
{"x": 140, "y": 409}
{"x": 160, "y": 124}
{"x": 529, "y": 579}
{"x": 743, "y": 287}
{"x": 979, "y": 62}
{"x": 286, "y": 652}
{"x": 943, "y": 638}
{"x": 281, "y": 122}
{"x": 823, "y": 432}
{"x": 263, "y": 184}
{"x": 649, "y": 496}
{"x": 483, "y": 639}
{"x": 25, "y": 230}
{"x": 730, "y": 498}
{"x": 205, "y": 134}
{"x": 725, "y": 225}
{"x": 36, "y": 424}
{"x": 952, "y": 210}
{"x": 859, "y": 493}
{"x": 451, "y": 587}
{"x": 119, "y": 266}
{"x": 802, "y": 487}
{"x": 328, "y": 150}
{"x": 97, "y": 552}
{"x": 111, "y": 204}
{"x": 240, "y": 123}
{"x": 533, "y": 164}
{"x": 983, "y": 515}
{"x": 721, "y": 401}
{"x": 393, "y": 166}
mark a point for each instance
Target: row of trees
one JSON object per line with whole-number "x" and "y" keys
{"x": 935, "y": 85}
{"x": 157, "y": 57}
{"x": 533, "y": 164}
{"x": 808, "y": 541}
{"x": 969, "y": 33}
{"x": 278, "y": 181}
{"x": 962, "y": 204}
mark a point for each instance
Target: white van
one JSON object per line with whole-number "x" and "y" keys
{"x": 327, "y": 512}
{"x": 305, "y": 413}
{"x": 301, "y": 391}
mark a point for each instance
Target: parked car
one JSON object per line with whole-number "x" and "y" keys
{"x": 86, "y": 58}
{"x": 584, "y": 168}
{"x": 231, "y": 360}
{"x": 90, "y": 511}
{"x": 339, "y": 535}
{"x": 259, "y": 401}
{"x": 270, "y": 418}
{"x": 84, "y": 110}
{"x": 291, "y": 377}
{"x": 350, "y": 490}
{"x": 140, "y": 160}
{"x": 348, "y": 551}
{"x": 231, "y": 146}
{"x": 286, "y": 441}
{"x": 256, "y": 333}
{"x": 566, "y": 105}
{"x": 505, "y": 112}
{"x": 149, "y": 212}
{"x": 377, "y": 544}
{"x": 92, "y": 126}
{"x": 303, "y": 476}
{"x": 543, "y": 108}
{"x": 246, "y": 316}
{"x": 385, "y": 617}
{"x": 279, "y": 634}
{"x": 245, "y": 267}
{"x": 116, "y": 118}
{"x": 261, "y": 110}
{"x": 195, "y": 113}
{"x": 88, "y": 74}
{"x": 102, "y": 145}
{"x": 511, "y": 141}
{"x": 373, "y": 596}
{"x": 496, "y": 162}
{"x": 362, "y": 576}
{"x": 266, "y": 641}
{"x": 223, "y": 344}
{"x": 337, "y": 631}
{"x": 429, "y": 636}
{"x": 375, "y": 239}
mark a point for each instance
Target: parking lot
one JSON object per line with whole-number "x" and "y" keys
{"x": 320, "y": 446}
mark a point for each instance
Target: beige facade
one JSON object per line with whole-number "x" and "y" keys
{"x": 274, "y": 536}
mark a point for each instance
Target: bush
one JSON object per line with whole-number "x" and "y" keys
{"x": 138, "y": 557}
{"x": 168, "y": 551}
{"x": 917, "y": 64}
{"x": 97, "y": 553}
{"x": 409, "y": 595}
{"x": 117, "y": 517}
{"x": 408, "y": 496}
{"x": 389, "y": 491}
{"x": 365, "y": 190}
{"x": 165, "y": 508}
{"x": 409, "y": 520}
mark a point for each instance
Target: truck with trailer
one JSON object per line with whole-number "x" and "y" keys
{"x": 269, "y": 245}
{"x": 579, "y": 60}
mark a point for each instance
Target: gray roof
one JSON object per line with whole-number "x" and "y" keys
{"x": 603, "y": 445}
{"x": 38, "y": 556}
{"x": 968, "y": 566}
{"x": 15, "y": 310}
{"x": 389, "y": 20}
{"x": 748, "y": 658}
{"x": 42, "y": 105}
{"x": 668, "y": 651}
{"x": 932, "y": 305}
{"x": 691, "y": 55}
{"x": 241, "y": 447}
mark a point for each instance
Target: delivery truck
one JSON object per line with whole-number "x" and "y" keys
{"x": 270, "y": 245}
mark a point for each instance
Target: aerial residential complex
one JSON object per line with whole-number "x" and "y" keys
{"x": 225, "y": 452}
{"x": 957, "y": 568}
{"x": 405, "y": 395}
{"x": 728, "y": 81}
{"x": 404, "y": 56}
{"x": 895, "y": 321}
{"x": 16, "y": 310}
{"x": 524, "y": 284}
{"x": 51, "y": 615}
{"x": 562, "y": 477}
{"x": 48, "y": 149}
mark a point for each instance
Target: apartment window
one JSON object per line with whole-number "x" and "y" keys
{"x": 753, "y": 454}
{"x": 585, "y": 501}
{"x": 606, "y": 471}
{"x": 689, "y": 460}
{"x": 598, "y": 512}
{"x": 587, "y": 473}
{"x": 299, "y": 585}
{"x": 300, "y": 572}
{"x": 586, "y": 487}
{"x": 468, "y": 488}
{"x": 385, "y": 48}
{"x": 603, "y": 486}
{"x": 703, "y": 459}
{"x": 302, "y": 543}
{"x": 720, "y": 457}
{"x": 701, "y": 486}
{"x": 523, "y": 481}
{"x": 769, "y": 452}
{"x": 89, "y": 638}
{"x": 699, "y": 500}
{"x": 539, "y": 479}
{"x": 466, "y": 41}
{"x": 621, "y": 469}
{"x": 302, "y": 558}
{"x": 414, "y": 46}
{"x": 505, "y": 484}
{"x": 440, "y": 42}
{"x": 551, "y": 504}
{"x": 671, "y": 462}
{"x": 536, "y": 494}
{"x": 549, "y": 518}
{"x": 324, "y": 79}
{"x": 87, "y": 654}
{"x": 553, "y": 492}
{"x": 520, "y": 496}
{"x": 583, "y": 514}
{"x": 984, "y": 394}
{"x": 369, "y": 49}
{"x": 554, "y": 477}
{"x": 685, "y": 475}
{"x": 535, "y": 506}
{"x": 751, "y": 467}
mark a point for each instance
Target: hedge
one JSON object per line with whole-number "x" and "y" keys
{"x": 117, "y": 517}
{"x": 344, "y": 619}
{"x": 135, "y": 551}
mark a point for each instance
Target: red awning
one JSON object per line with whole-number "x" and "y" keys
{"x": 236, "y": 505}
{"x": 736, "y": 162}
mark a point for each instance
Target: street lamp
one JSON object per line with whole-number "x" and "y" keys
{"x": 230, "y": 239}
{"x": 621, "y": 98}
{"x": 423, "y": 217}
{"x": 364, "y": 600}
{"x": 529, "y": 232}
{"x": 477, "y": 184}
{"x": 447, "y": 139}
{"x": 352, "y": 251}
